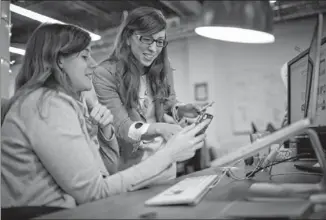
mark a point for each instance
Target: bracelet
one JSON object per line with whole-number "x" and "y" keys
{"x": 175, "y": 112}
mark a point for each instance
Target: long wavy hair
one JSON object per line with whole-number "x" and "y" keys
{"x": 143, "y": 21}
{"x": 40, "y": 65}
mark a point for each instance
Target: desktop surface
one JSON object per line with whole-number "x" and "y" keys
{"x": 131, "y": 205}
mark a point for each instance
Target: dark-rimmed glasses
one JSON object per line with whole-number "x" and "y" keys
{"x": 150, "y": 40}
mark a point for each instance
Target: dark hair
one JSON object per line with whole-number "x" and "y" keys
{"x": 144, "y": 21}
{"x": 40, "y": 65}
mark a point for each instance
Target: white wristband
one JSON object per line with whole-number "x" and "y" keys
{"x": 137, "y": 129}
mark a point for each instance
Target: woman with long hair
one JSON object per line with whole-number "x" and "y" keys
{"x": 50, "y": 154}
{"x": 136, "y": 84}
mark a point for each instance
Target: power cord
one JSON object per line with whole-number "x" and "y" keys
{"x": 229, "y": 173}
{"x": 251, "y": 174}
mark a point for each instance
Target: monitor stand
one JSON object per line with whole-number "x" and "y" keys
{"x": 297, "y": 188}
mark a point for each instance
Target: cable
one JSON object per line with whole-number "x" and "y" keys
{"x": 229, "y": 173}
{"x": 258, "y": 166}
{"x": 252, "y": 173}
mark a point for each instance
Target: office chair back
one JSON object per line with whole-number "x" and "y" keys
{"x": 27, "y": 212}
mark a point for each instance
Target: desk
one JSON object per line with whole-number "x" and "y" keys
{"x": 131, "y": 205}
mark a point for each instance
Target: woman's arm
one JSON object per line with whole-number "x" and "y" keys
{"x": 105, "y": 86}
{"x": 109, "y": 148}
{"x": 61, "y": 146}
{"x": 109, "y": 151}
{"x": 89, "y": 99}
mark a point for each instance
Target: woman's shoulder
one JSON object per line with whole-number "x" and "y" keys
{"x": 108, "y": 71}
{"x": 49, "y": 98}
{"x": 108, "y": 68}
{"x": 41, "y": 99}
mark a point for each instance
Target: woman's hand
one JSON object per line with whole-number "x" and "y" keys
{"x": 184, "y": 144}
{"x": 163, "y": 129}
{"x": 98, "y": 113}
{"x": 189, "y": 110}
{"x": 168, "y": 119}
{"x": 101, "y": 116}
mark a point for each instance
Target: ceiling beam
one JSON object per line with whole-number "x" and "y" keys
{"x": 299, "y": 14}
{"x": 91, "y": 9}
{"x": 184, "y": 8}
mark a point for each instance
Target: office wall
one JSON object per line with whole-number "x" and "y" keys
{"x": 244, "y": 80}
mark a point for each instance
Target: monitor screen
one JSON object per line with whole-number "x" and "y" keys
{"x": 300, "y": 84}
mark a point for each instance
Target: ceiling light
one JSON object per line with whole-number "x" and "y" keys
{"x": 41, "y": 18}
{"x": 16, "y": 50}
{"x": 237, "y": 21}
{"x": 272, "y": 2}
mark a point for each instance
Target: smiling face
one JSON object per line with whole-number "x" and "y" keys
{"x": 145, "y": 49}
{"x": 79, "y": 67}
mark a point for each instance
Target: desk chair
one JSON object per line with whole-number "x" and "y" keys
{"x": 27, "y": 212}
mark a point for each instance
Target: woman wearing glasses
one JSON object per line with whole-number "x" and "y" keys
{"x": 136, "y": 84}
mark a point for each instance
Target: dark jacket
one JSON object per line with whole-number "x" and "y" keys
{"x": 111, "y": 91}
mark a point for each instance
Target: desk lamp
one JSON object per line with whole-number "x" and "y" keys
{"x": 237, "y": 21}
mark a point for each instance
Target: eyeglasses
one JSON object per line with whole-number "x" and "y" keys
{"x": 150, "y": 40}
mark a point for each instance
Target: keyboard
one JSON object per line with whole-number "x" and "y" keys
{"x": 188, "y": 191}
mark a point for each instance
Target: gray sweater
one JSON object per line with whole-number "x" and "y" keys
{"x": 53, "y": 161}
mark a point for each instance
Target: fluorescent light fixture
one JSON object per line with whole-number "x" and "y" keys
{"x": 41, "y": 18}
{"x": 237, "y": 21}
{"x": 272, "y": 1}
{"x": 232, "y": 34}
{"x": 16, "y": 50}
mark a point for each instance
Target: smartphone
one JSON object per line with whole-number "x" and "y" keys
{"x": 201, "y": 118}
{"x": 206, "y": 106}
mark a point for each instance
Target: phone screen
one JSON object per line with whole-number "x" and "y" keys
{"x": 202, "y": 118}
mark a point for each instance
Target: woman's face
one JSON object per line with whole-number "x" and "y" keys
{"x": 146, "y": 48}
{"x": 79, "y": 67}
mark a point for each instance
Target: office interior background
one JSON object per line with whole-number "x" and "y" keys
{"x": 244, "y": 80}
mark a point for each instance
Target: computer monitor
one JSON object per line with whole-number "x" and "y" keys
{"x": 294, "y": 128}
{"x": 305, "y": 98}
